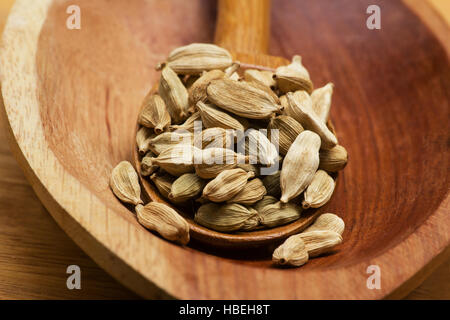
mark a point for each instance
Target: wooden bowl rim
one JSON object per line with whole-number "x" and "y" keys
{"x": 20, "y": 114}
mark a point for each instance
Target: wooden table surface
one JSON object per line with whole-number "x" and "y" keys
{"x": 35, "y": 252}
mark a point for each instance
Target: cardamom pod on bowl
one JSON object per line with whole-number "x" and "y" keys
{"x": 167, "y": 140}
{"x": 272, "y": 184}
{"x": 210, "y": 162}
{"x": 253, "y": 191}
{"x": 213, "y": 117}
{"x": 198, "y": 57}
{"x": 226, "y": 185}
{"x": 143, "y": 137}
{"x": 293, "y": 77}
{"x": 214, "y": 138}
{"x": 231, "y": 71}
{"x": 147, "y": 166}
{"x": 288, "y": 129}
{"x": 334, "y": 159}
{"x": 299, "y": 165}
{"x": 242, "y": 99}
{"x": 284, "y": 103}
{"x": 278, "y": 214}
{"x": 226, "y": 218}
{"x": 260, "y": 148}
{"x": 321, "y": 101}
{"x": 249, "y": 167}
{"x": 197, "y": 92}
{"x": 163, "y": 183}
{"x": 188, "y": 124}
{"x": 186, "y": 187}
{"x": 174, "y": 94}
{"x": 300, "y": 108}
{"x": 154, "y": 113}
{"x": 176, "y": 160}
{"x": 265, "y": 201}
{"x": 262, "y": 77}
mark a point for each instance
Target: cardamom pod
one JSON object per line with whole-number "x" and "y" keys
{"x": 163, "y": 183}
{"x": 268, "y": 90}
{"x": 285, "y": 104}
{"x": 293, "y": 77}
{"x": 197, "y": 57}
{"x": 143, "y": 137}
{"x": 231, "y": 71}
{"x": 334, "y": 159}
{"x": 319, "y": 191}
{"x": 277, "y": 214}
{"x": 260, "y": 148}
{"x": 189, "y": 124}
{"x": 234, "y": 76}
{"x": 214, "y": 117}
{"x": 299, "y": 165}
{"x": 147, "y": 166}
{"x": 272, "y": 184}
{"x": 167, "y": 140}
{"x": 218, "y": 156}
{"x": 263, "y": 77}
{"x": 328, "y": 221}
{"x": 253, "y": 191}
{"x": 174, "y": 94}
{"x": 154, "y": 114}
{"x": 164, "y": 220}
{"x": 176, "y": 160}
{"x": 253, "y": 222}
{"x": 301, "y": 97}
{"x": 186, "y": 187}
{"x": 210, "y": 162}
{"x": 265, "y": 201}
{"x": 291, "y": 253}
{"x": 288, "y": 129}
{"x": 242, "y": 99}
{"x": 214, "y": 138}
{"x": 318, "y": 242}
{"x": 321, "y": 101}
{"x": 249, "y": 168}
{"x": 197, "y": 92}
{"x": 226, "y": 218}
{"x": 226, "y": 185}
{"x": 124, "y": 183}
{"x": 300, "y": 108}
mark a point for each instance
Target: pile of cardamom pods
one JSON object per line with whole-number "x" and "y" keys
{"x": 247, "y": 148}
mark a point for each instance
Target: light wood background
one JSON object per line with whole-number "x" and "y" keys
{"x": 35, "y": 252}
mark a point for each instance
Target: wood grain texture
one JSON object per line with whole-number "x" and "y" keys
{"x": 442, "y": 8}
{"x": 407, "y": 240}
{"x": 35, "y": 252}
{"x": 243, "y": 26}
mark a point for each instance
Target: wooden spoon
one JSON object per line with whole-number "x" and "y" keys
{"x": 243, "y": 27}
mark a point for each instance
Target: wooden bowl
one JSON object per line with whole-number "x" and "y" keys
{"x": 71, "y": 99}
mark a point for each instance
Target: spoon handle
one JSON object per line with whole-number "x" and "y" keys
{"x": 243, "y": 25}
